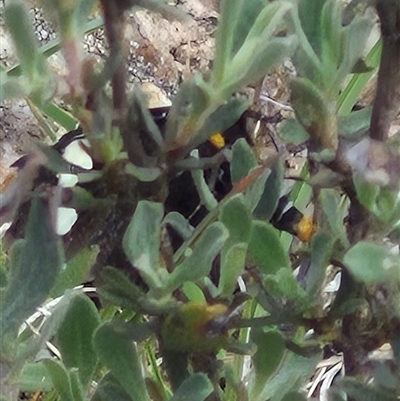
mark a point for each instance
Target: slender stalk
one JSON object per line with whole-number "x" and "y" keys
{"x": 267, "y": 321}
{"x": 387, "y": 102}
{"x": 156, "y": 370}
{"x": 114, "y": 27}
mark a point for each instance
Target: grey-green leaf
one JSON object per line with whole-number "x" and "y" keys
{"x": 206, "y": 196}
{"x": 60, "y": 378}
{"x": 255, "y": 59}
{"x": 232, "y": 266}
{"x": 36, "y": 268}
{"x": 224, "y": 117}
{"x": 360, "y": 391}
{"x": 110, "y": 389}
{"x": 321, "y": 245}
{"x": 372, "y": 263}
{"x": 270, "y": 351}
{"x": 141, "y": 241}
{"x": 237, "y": 219}
{"x": 197, "y": 387}
{"x": 271, "y": 194}
{"x": 249, "y": 12}
{"x": 179, "y": 223}
{"x": 290, "y": 376}
{"x": 120, "y": 355}
{"x": 335, "y": 212}
{"x": 243, "y": 160}
{"x": 74, "y": 337}
{"x": 119, "y": 290}
{"x": 34, "y": 377}
{"x": 265, "y": 248}
{"x": 76, "y": 271}
{"x": 355, "y": 124}
{"x": 18, "y": 23}
{"x": 315, "y": 112}
{"x": 198, "y": 264}
{"x": 292, "y": 131}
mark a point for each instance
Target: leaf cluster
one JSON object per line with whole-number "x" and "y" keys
{"x": 178, "y": 309}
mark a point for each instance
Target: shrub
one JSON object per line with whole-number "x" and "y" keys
{"x": 232, "y": 306}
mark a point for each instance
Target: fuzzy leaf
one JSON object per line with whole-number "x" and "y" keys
{"x": 227, "y": 41}
{"x": 355, "y": 37}
{"x": 355, "y": 123}
{"x": 18, "y": 23}
{"x": 198, "y": 264}
{"x": 197, "y": 387}
{"x": 284, "y": 285}
{"x": 34, "y": 377}
{"x": 110, "y": 389}
{"x": 372, "y": 263}
{"x": 237, "y": 219}
{"x": 243, "y": 160}
{"x": 322, "y": 245}
{"x": 268, "y": 20}
{"x": 315, "y": 112}
{"x": 232, "y": 266}
{"x": 74, "y": 337}
{"x": 122, "y": 360}
{"x": 206, "y": 196}
{"x": 309, "y": 14}
{"x": 255, "y": 191}
{"x": 179, "y": 223}
{"x": 331, "y": 205}
{"x": 119, "y": 290}
{"x": 265, "y": 248}
{"x": 76, "y": 272}
{"x": 331, "y": 38}
{"x": 270, "y": 351}
{"x": 60, "y": 378}
{"x": 292, "y": 131}
{"x": 359, "y": 391}
{"x": 271, "y": 194}
{"x": 39, "y": 262}
{"x": 141, "y": 241}
{"x": 193, "y": 292}
{"x": 224, "y": 117}
{"x": 190, "y": 103}
{"x": 294, "y": 396}
{"x": 12, "y": 88}
{"x": 256, "y": 57}
{"x": 366, "y": 193}
{"x": 248, "y": 14}
{"x": 290, "y": 376}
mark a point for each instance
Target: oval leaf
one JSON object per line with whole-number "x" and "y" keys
{"x": 36, "y": 268}
{"x": 119, "y": 354}
{"x": 74, "y": 337}
{"x": 197, "y": 387}
{"x": 141, "y": 241}
{"x": 372, "y": 263}
{"x": 265, "y": 248}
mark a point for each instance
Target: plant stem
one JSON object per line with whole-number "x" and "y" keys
{"x": 114, "y": 27}
{"x": 387, "y": 102}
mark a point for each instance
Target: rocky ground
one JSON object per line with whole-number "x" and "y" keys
{"x": 162, "y": 54}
